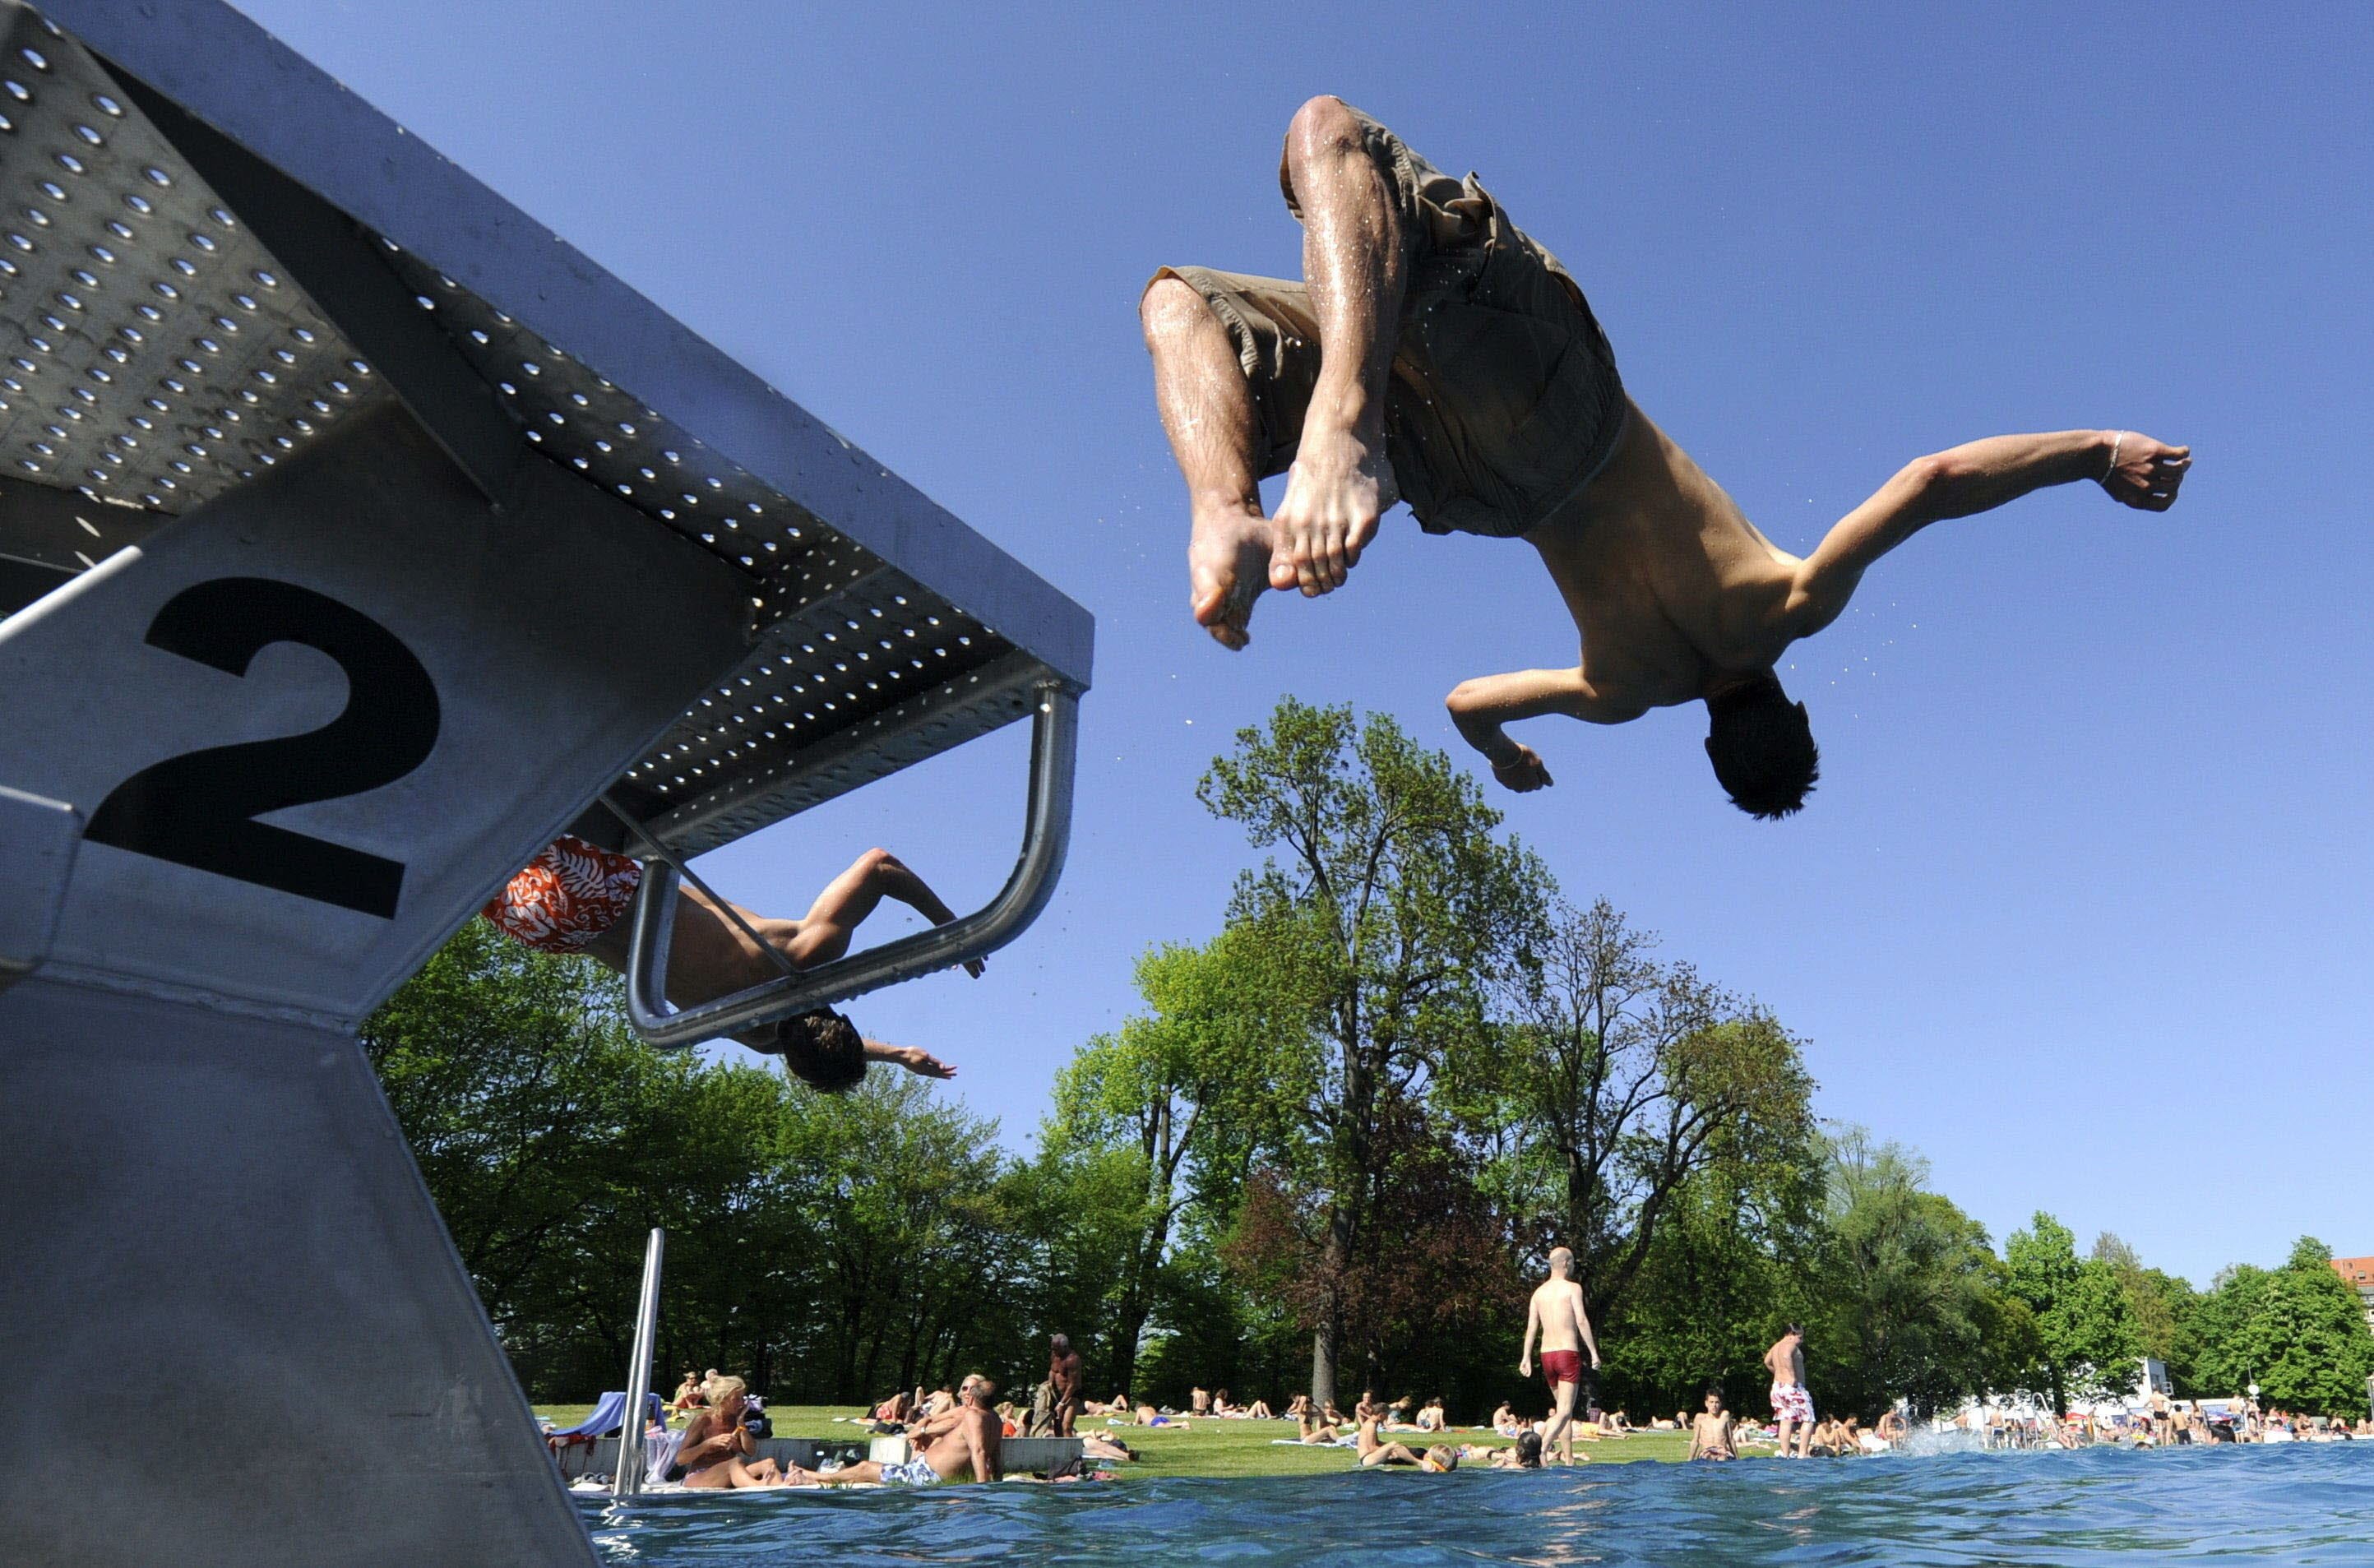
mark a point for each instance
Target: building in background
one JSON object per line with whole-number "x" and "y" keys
{"x": 2358, "y": 1274}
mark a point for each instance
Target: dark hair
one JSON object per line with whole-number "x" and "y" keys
{"x": 1529, "y": 1451}
{"x": 823, "y": 1050}
{"x": 1762, "y": 748}
{"x": 1798, "y": 1329}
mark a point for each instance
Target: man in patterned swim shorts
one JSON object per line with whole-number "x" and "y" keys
{"x": 1792, "y": 1406}
{"x": 1434, "y": 353}
{"x": 573, "y": 898}
{"x": 966, "y": 1438}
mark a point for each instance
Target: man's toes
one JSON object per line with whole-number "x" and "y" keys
{"x": 1332, "y": 571}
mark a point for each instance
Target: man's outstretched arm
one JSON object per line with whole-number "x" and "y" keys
{"x": 1479, "y": 708}
{"x": 2134, "y": 468}
{"x": 914, "y": 1058}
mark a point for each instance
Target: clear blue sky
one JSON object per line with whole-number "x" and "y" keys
{"x": 2079, "y": 910}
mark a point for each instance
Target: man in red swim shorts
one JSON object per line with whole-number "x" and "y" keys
{"x": 1557, "y": 1316}
{"x": 573, "y": 898}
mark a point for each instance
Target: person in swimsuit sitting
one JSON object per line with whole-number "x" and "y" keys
{"x": 1710, "y": 1435}
{"x": 688, "y": 1396}
{"x": 1315, "y": 1432}
{"x": 575, "y": 895}
{"x": 1374, "y": 1451}
{"x": 716, "y": 1445}
{"x": 1434, "y": 353}
{"x": 967, "y": 1438}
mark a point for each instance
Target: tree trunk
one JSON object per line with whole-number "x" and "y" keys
{"x": 1129, "y": 1326}
{"x": 1327, "y": 1339}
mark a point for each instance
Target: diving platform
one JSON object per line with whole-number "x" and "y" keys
{"x": 359, "y": 535}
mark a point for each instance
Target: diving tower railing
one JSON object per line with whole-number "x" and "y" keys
{"x": 360, "y": 536}
{"x": 629, "y": 1479}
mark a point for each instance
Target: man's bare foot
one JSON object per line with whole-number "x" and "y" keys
{"x": 1227, "y": 568}
{"x": 1341, "y": 484}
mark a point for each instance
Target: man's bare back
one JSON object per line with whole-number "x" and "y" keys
{"x": 1676, "y": 596}
{"x": 1558, "y": 1308}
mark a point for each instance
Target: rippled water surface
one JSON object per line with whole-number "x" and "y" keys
{"x": 2295, "y": 1503}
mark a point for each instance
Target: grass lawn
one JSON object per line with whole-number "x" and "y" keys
{"x": 1208, "y": 1447}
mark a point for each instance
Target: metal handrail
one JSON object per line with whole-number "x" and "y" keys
{"x": 1047, "y": 831}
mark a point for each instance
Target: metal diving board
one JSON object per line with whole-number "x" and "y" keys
{"x": 357, "y": 537}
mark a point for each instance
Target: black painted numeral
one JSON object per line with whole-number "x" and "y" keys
{"x": 198, "y": 809}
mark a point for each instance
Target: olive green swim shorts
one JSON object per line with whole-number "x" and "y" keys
{"x": 1503, "y": 401}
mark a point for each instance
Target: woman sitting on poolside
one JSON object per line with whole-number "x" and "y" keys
{"x": 715, "y": 1444}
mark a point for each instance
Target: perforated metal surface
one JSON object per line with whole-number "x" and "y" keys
{"x": 844, "y": 640}
{"x": 158, "y": 354}
{"x": 154, "y": 352}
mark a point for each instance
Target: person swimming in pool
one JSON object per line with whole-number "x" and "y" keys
{"x": 1435, "y": 354}
{"x": 575, "y": 895}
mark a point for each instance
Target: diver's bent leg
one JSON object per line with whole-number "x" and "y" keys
{"x": 1356, "y": 258}
{"x": 1208, "y": 412}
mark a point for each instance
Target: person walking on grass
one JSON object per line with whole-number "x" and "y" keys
{"x": 1557, "y": 1317}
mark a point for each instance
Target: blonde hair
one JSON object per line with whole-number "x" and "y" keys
{"x": 720, "y": 1389}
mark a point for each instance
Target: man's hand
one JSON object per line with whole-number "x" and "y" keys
{"x": 2144, "y": 474}
{"x": 923, "y": 1063}
{"x": 1525, "y": 1366}
{"x": 1523, "y": 772}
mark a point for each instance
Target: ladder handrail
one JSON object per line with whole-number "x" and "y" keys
{"x": 1054, "y": 752}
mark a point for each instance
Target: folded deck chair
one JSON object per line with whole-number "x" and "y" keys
{"x": 608, "y": 1411}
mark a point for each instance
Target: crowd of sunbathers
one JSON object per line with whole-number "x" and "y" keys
{"x": 955, "y": 1433}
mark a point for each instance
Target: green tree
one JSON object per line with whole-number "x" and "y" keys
{"x": 1903, "y": 1285}
{"x": 910, "y": 1229}
{"x": 1168, "y": 1105}
{"x": 1738, "y": 1241}
{"x": 1622, "y": 1078}
{"x": 2085, "y": 1341}
{"x": 552, "y": 1140}
{"x": 2296, "y": 1331}
{"x": 2158, "y": 1301}
{"x": 1387, "y": 909}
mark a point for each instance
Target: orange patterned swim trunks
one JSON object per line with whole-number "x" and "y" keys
{"x": 566, "y": 896}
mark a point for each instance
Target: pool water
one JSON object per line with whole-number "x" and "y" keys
{"x": 2295, "y": 1503}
